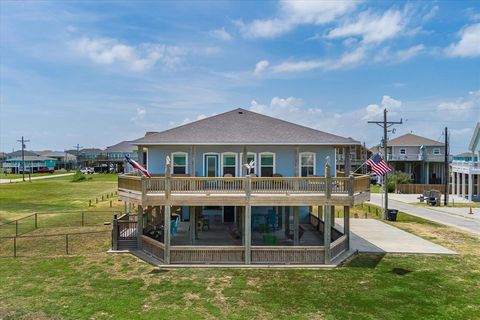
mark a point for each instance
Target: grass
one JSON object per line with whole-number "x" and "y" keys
{"x": 91, "y": 284}
{"x": 11, "y": 176}
{"x": 375, "y": 188}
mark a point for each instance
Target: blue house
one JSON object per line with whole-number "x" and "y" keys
{"x": 240, "y": 187}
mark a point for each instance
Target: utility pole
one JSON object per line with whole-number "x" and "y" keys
{"x": 365, "y": 155}
{"x": 23, "y": 156}
{"x": 385, "y": 125}
{"x": 78, "y": 152}
{"x": 446, "y": 178}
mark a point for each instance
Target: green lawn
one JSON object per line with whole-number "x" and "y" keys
{"x": 11, "y": 176}
{"x": 53, "y": 195}
{"x": 91, "y": 284}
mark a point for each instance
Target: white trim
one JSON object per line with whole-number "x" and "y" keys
{"x": 300, "y": 162}
{"x": 229, "y": 153}
{"x": 203, "y": 161}
{"x": 186, "y": 160}
{"x": 260, "y": 154}
{"x": 146, "y": 158}
{"x": 242, "y": 162}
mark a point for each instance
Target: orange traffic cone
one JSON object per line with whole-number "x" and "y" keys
{"x": 470, "y": 212}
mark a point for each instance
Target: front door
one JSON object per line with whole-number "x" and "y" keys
{"x": 211, "y": 165}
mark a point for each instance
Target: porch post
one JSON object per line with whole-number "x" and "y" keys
{"x": 470, "y": 186}
{"x": 332, "y": 214}
{"x": 287, "y": 220}
{"x": 464, "y": 178}
{"x": 193, "y": 223}
{"x": 139, "y": 227}
{"x": 244, "y": 170}
{"x": 297, "y": 152}
{"x": 192, "y": 155}
{"x": 166, "y": 233}
{"x": 327, "y": 223}
{"x": 280, "y": 217}
{"x": 348, "y": 167}
{"x": 248, "y": 234}
{"x": 346, "y": 211}
{"x": 296, "y": 238}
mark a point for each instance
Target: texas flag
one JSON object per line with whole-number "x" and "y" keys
{"x": 137, "y": 166}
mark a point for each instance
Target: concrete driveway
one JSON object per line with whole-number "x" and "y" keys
{"x": 374, "y": 236}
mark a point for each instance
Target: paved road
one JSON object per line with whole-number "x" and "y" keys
{"x": 464, "y": 223}
{"x": 35, "y": 178}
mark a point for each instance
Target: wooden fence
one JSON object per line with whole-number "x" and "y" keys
{"x": 47, "y": 245}
{"x": 419, "y": 188}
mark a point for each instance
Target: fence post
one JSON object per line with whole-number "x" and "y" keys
{"x": 102, "y": 197}
{"x": 16, "y": 228}
{"x": 36, "y": 220}
{"x": 89, "y": 203}
{"x": 83, "y": 219}
{"x": 96, "y": 200}
{"x": 66, "y": 243}
{"x": 115, "y": 233}
{"x": 107, "y": 195}
{"x": 14, "y": 247}
{"x": 110, "y": 203}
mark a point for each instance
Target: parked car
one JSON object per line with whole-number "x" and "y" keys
{"x": 45, "y": 170}
{"x": 374, "y": 178}
{"x": 87, "y": 171}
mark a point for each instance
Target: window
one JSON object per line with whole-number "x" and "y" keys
{"x": 251, "y": 157}
{"x": 307, "y": 164}
{"x": 267, "y": 164}
{"x": 179, "y": 163}
{"x": 229, "y": 164}
{"x": 436, "y": 151}
{"x": 403, "y": 151}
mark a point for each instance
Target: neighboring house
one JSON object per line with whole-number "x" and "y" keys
{"x": 64, "y": 160}
{"x": 465, "y": 156}
{"x": 422, "y": 158}
{"x": 466, "y": 172}
{"x": 89, "y": 157}
{"x": 18, "y": 153}
{"x": 116, "y": 156}
{"x": 203, "y": 207}
{"x": 358, "y": 156}
{"x": 32, "y": 164}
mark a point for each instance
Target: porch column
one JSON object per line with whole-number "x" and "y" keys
{"x": 139, "y": 227}
{"x": 327, "y": 222}
{"x": 296, "y": 238}
{"x": 297, "y": 152}
{"x": 280, "y": 217}
{"x": 248, "y": 234}
{"x": 458, "y": 183}
{"x": 327, "y": 234}
{"x": 453, "y": 182}
{"x": 348, "y": 167}
{"x": 193, "y": 223}
{"x": 244, "y": 160}
{"x": 332, "y": 214}
{"x": 166, "y": 233}
{"x": 346, "y": 225}
{"x": 464, "y": 178}
{"x": 470, "y": 187}
{"x": 427, "y": 174}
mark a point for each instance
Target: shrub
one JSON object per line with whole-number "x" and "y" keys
{"x": 398, "y": 177}
{"x": 78, "y": 177}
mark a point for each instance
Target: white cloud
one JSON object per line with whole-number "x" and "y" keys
{"x": 371, "y": 27}
{"x": 261, "y": 66}
{"x": 469, "y": 44}
{"x": 374, "y": 110}
{"x": 462, "y": 104}
{"x": 404, "y": 55}
{"x": 139, "y": 115}
{"x": 221, "y": 34}
{"x": 139, "y": 58}
{"x": 294, "y": 13}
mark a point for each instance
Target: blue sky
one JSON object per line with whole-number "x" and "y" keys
{"x": 96, "y": 73}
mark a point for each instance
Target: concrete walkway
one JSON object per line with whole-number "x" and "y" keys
{"x": 35, "y": 178}
{"x": 465, "y": 223}
{"x": 370, "y": 235}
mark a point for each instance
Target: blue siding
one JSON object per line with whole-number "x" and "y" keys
{"x": 284, "y": 157}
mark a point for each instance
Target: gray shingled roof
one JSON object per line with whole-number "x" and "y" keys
{"x": 243, "y": 127}
{"x": 411, "y": 139}
{"x": 124, "y": 146}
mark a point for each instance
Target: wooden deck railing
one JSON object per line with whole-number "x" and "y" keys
{"x": 314, "y": 185}
{"x": 153, "y": 247}
{"x": 207, "y": 254}
{"x": 288, "y": 255}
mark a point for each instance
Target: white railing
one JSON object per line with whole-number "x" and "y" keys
{"x": 466, "y": 166}
{"x": 415, "y": 157}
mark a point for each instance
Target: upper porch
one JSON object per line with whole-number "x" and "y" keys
{"x": 241, "y": 191}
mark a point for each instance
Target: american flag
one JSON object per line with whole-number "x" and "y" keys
{"x": 137, "y": 166}
{"x": 378, "y": 166}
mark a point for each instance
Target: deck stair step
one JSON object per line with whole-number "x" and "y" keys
{"x": 127, "y": 244}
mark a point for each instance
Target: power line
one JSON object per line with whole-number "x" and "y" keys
{"x": 23, "y": 141}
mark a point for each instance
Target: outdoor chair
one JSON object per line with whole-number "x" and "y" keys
{"x": 174, "y": 226}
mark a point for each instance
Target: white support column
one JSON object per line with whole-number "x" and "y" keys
{"x": 453, "y": 182}
{"x": 327, "y": 224}
{"x": 464, "y": 184}
{"x": 248, "y": 234}
{"x": 470, "y": 187}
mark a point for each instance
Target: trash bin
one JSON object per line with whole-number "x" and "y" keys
{"x": 392, "y": 214}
